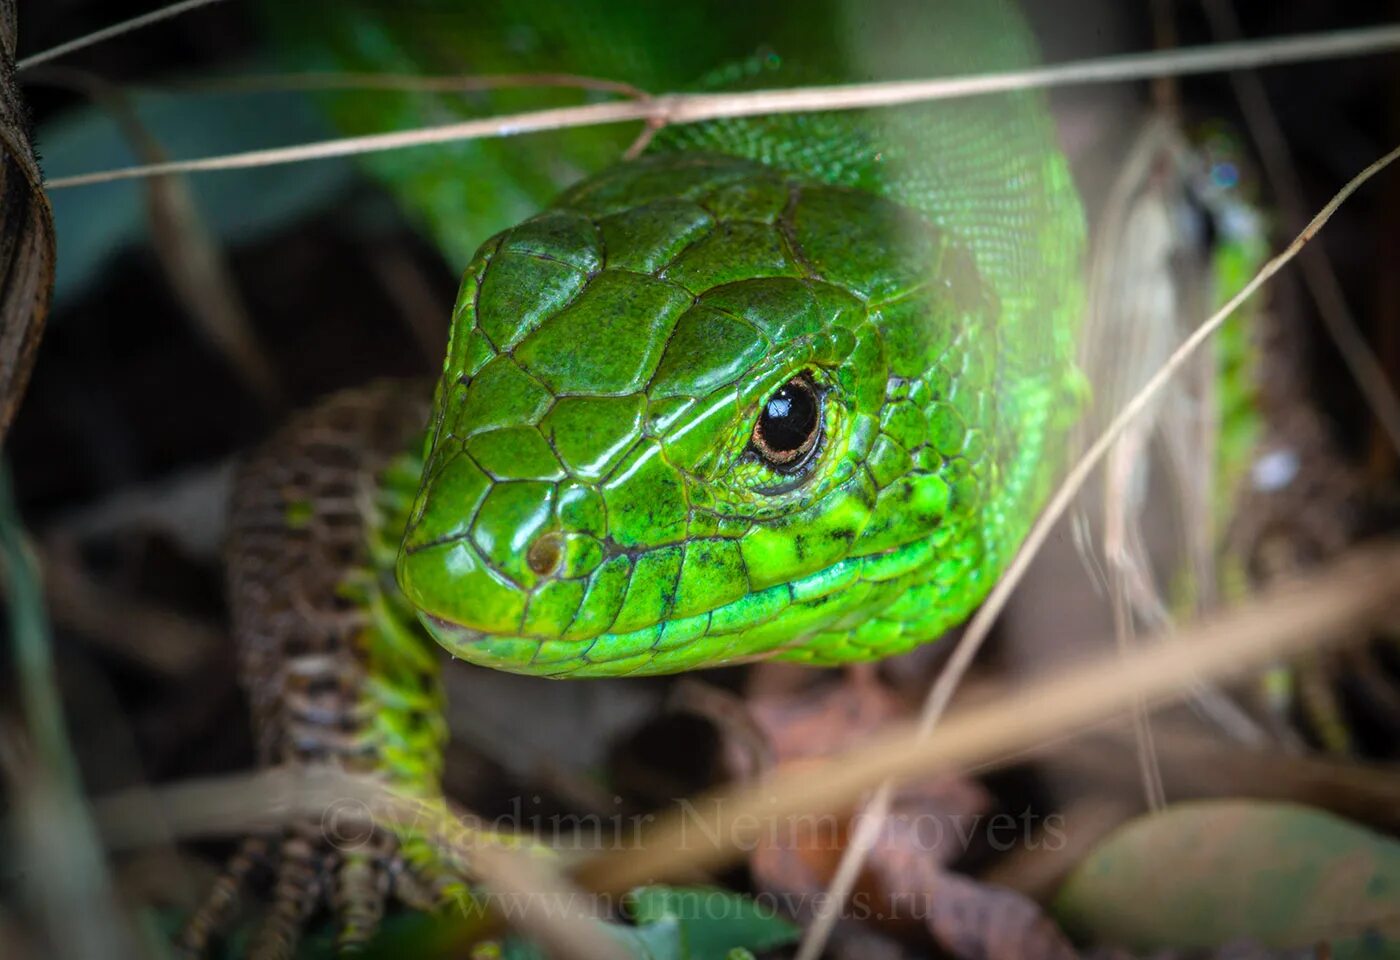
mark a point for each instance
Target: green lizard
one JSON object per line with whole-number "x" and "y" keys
{"x": 787, "y": 386}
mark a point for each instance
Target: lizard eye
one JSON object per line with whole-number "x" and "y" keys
{"x": 789, "y": 426}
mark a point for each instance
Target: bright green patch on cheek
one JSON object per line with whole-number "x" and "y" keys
{"x": 781, "y": 552}
{"x": 602, "y": 599}
{"x": 698, "y": 440}
{"x": 510, "y": 519}
{"x": 905, "y": 510}
{"x": 712, "y": 574}
{"x": 863, "y": 431}
{"x": 645, "y": 500}
{"x": 452, "y": 581}
{"x": 904, "y": 422}
{"x": 581, "y": 509}
{"x": 887, "y": 461}
{"x": 553, "y": 608}
{"x": 863, "y": 377}
{"x": 651, "y": 589}
{"x": 946, "y": 429}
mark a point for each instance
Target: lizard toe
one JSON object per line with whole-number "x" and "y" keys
{"x": 294, "y": 897}
{"x": 214, "y": 915}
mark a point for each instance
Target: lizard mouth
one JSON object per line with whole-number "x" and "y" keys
{"x": 497, "y": 651}
{"x": 746, "y": 628}
{"x": 444, "y": 630}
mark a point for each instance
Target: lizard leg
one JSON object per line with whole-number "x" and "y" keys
{"x": 337, "y": 670}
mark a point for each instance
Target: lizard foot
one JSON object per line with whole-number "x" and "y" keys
{"x": 312, "y": 869}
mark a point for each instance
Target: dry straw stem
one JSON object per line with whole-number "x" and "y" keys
{"x": 1351, "y": 595}
{"x": 271, "y": 798}
{"x": 692, "y": 108}
{"x": 546, "y": 906}
{"x": 400, "y": 83}
{"x": 941, "y": 694}
{"x": 1201, "y": 766}
{"x": 108, "y": 33}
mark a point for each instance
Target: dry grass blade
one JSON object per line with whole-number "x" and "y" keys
{"x": 545, "y": 906}
{"x": 980, "y": 625}
{"x": 693, "y": 108}
{"x": 26, "y": 236}
{"x": 230, "y": 806}
{"x": 406, "y": 83}
{"x": 1201, "y": 766}
{"x": 51, "y": 844}
{"x": 51, "y": 837}
{"x": 1350, "y": 595}
{"x": 115, "y": 30}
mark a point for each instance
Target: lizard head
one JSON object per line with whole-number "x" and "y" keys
{"x": 695, "y": 413}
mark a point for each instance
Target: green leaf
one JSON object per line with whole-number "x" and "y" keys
{"x": 686, "y": 923}
{"x": 705, "y": 923}
{"x": 1203, "y": 874}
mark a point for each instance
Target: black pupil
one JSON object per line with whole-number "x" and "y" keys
{"x": 789, "y": 418}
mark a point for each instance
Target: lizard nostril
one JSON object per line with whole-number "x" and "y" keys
{"x": 545, "y": 554}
